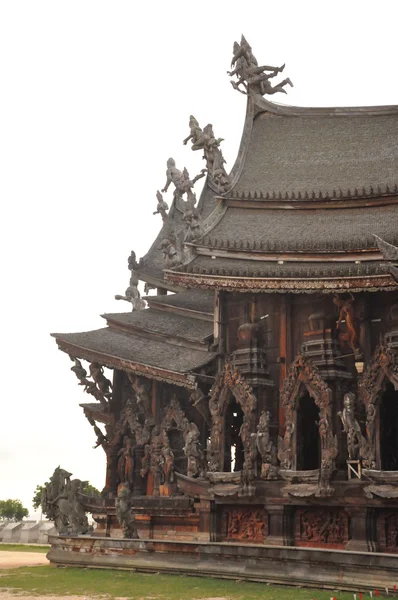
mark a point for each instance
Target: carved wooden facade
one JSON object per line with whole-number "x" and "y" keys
{"x": 272, "y": 297}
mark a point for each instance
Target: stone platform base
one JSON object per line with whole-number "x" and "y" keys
{"x": 356, "y": 571}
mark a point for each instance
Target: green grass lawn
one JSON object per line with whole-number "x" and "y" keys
{"x": 111, "y": 584}
{"x": 23, "y": 548}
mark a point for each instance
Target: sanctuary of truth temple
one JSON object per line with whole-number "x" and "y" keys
{"x": 250, "y": 425}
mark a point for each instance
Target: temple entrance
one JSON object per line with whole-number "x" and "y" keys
{"x": 177, "y": 444}
{"x": 233, "y": 447}
{"x": 389, "y": 429}
{"x": 307, "y": 434}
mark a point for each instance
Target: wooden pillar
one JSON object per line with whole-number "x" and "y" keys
{"x": 215, "y": 522}
{"x": 284, "y": 350}
{"x": 358, "y": 529}
{"x": 156, "y": 416}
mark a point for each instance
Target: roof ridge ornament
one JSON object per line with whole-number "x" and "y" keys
{"x": 251, "y": 76}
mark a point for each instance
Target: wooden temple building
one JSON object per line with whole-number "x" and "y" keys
{"x": 253, "y": 407}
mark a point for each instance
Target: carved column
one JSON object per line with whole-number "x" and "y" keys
{"x": 358, "y": 541}
{"x": 215, "y": 522}
{"x": 280, "y": 532}
{"x": 111, "y": 471}
{"x": 203, "y": 507}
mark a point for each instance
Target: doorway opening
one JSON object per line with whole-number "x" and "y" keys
{"x": 233, "y": 447}
{"x": 307, "y": 434}
{"x": 389, "y": 429}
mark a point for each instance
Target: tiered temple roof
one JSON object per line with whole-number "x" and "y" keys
{"x": 168, "y": 343}
{"x": 308, "y": 190}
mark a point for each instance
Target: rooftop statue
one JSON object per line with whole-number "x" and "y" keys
{"x": 132, "y": 294}
{"x": 252, "y": 76}
{"x": 171, "y": 255}
{"x": 182, "y": 183}
{"x": 204, "y": 139}
{"x": 193, "y": 225}
{"x": 162, "y": 206}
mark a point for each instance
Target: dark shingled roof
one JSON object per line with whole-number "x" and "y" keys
{"x": 125, "y": 347}
{"x": 165, "y": 324}
{"x": 320, "y": 153}
{"x": 197, "y": 300}
{"x": 236, "y": 267}
{"x": 305, "y": 230}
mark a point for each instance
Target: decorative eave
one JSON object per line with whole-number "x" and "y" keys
{"x": 290, "y": 200}
{"x": 112, "y": 362}
{"x": 263, "y": 105}
{"x": 283, "y": 285}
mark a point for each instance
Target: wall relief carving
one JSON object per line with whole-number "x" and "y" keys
{"x": 322, "y": 526}
{"x": 246, "y": 524}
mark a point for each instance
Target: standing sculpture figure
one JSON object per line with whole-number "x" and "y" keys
{"x": 346, "y": 313}
{"x": 123, "y": 512}
{"x": 193, "y": 451}
{"x": 125, "y": 465}
{"x": 162, "y": 207}
{"x": 351, "y": 427}
{"x": 266, "y": 447}
{"x": 167, "y": 460}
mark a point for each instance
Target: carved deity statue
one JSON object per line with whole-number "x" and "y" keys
{"x": 167, "y": 460}
{"x": 100, "y": 387}
{"x": 61, "y": 502}
{"x": 266, "y": 448}
{"x": 162, "y": 206}
{"x": 123, "y": 513}
{"x": 205, "y": 140}
{"x": 251, "y": 76}
{"x": 171, "y": 255}
{"x": 182, "y": 182}
{"x": 103, "y": 384}
{"x": 125, "y": 465}
{"x": 193, "y": 225}
{"x": 193, "y": 451}
{"x": 347, "y": 314}
{"x": 351, "y": 427}
{"x": 285, "y": 446}
{"x": 132, "y": 294}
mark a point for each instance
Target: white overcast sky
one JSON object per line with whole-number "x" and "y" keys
{"x": 94, "y": 97}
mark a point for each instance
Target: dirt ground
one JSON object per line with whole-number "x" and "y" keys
{"x": 9, "y": 560}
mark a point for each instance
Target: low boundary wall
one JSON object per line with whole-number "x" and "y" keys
{"x": 286, "y": 565}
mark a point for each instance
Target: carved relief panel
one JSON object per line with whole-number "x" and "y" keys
{"x": 322, "y": 527}
{"x": 246, "y": 524}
